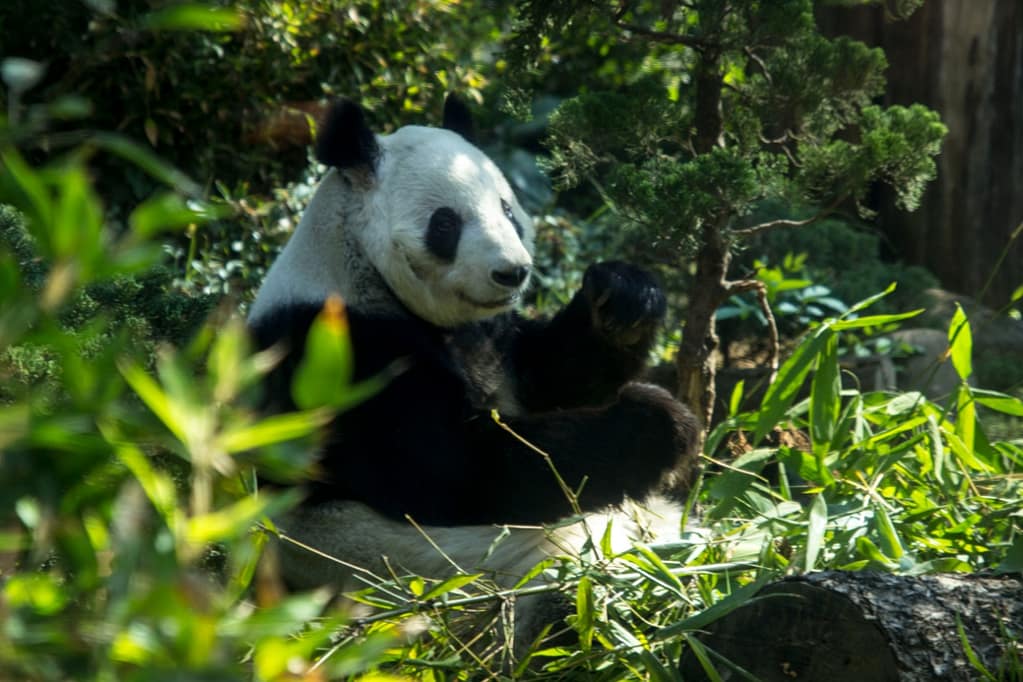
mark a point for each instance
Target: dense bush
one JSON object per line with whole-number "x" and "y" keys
{"x": 234, "y": 107}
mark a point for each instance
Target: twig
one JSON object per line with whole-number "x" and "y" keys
{"x": 760, "y": 62}
{"x": 573, "y": 498}
{"x": 298, "y": 543}
{"x": 760, "y": 288}
{"x": 694, "y": 42}
{"x": 434, "y": 544}
{"x": 998, "y": 265}
{"x": 785, "y": 222}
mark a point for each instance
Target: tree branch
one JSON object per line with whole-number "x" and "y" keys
{"x": 786, "y": 222}
{"x": 744, "y": 285}
{"x": 694, "y": 42}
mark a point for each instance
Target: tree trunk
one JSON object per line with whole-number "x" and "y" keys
{"x": 963, "y": 58}
{"x": 695, "y": 360}
{"x": 709, "y": 290}
{"x": 858, "y": 626}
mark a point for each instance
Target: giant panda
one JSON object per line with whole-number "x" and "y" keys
{"x": 422, "y": 238}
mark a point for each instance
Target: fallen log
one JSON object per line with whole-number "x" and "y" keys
{"x": 862, "y": 626}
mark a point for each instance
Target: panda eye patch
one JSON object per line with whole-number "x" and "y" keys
{"x": 506, "y": 207}
{"x": 443, "y": 233}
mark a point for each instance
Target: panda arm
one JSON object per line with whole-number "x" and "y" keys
{"x": 406, "y": 452}
{"x": 594, "y": 345}
{"x": 422, "y": 448}
{"x": 604, "y": 454}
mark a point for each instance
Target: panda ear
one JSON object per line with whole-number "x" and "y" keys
{"x": 344, "y": 139}
{"x": 458, "y": 119}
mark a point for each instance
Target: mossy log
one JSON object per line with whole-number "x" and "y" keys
{"x": 856, "y": 626}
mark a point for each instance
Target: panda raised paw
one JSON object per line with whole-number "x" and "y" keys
{"x": 625, "y": 302}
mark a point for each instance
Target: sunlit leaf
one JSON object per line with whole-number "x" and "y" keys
{"x": 584, "y": 606}
{"x": 238, "y": 518}
{"x": 40, "y": 592}
{"x": 453, "y": 583}
{"x": 1000, "y": 402}
{"x": 817, "y": 523}
{"x": 325, "y": 372}
{"x": 781, "y": 394}
{"x": 274, "y": 429}
{"x": 825, "y": 394}
{"x": 890, "y": 540}
{"x": 194, "y": 17}
{"x": 155, "y": 399}
{"x": 873, "y": 321}
{"x": 966, "y": 416}
{"x": 960, "y": 340}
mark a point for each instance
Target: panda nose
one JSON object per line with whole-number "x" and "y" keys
{"x": 510, "y": 277}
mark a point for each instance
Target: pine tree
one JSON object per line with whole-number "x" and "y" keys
{"x": 740, "y": 105}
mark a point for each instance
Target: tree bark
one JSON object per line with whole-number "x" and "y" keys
{"x": 963, "y": 58}
{"x": 857, "y": 626}
{"x": 695, "y": 361}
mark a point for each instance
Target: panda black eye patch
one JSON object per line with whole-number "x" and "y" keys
{"x": 443, "y": 233}
{"x": 506, "y": 207}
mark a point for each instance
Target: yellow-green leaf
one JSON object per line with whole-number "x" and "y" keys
{"x": 960, "y": 340}
{"x": 323, "y": 376}
{"x": 817, "y": 524}
{"x": 452, "y": 583}
{"x": 194, "y": 17}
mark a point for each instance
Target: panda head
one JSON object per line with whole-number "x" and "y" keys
{"x": 433, "y": 215}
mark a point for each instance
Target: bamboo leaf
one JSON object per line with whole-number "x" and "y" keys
{"x": 703, "y": 657}
{"x": 451, "y": 584}
{"x": 890, "y": 541}
{"x": 825, "y": 394}
{"x": 168, "y": 211}
{"x": 873, "y": 321}
{"x": 735, "y": 401}
{"x": 194, "y": 17}
{"x": 817, "y": 524}
{"x": 960, "y": 340}
{"x": 155, "y": 399}
{"x": 781, "y": 394}
{"x": 966, "y": 416}
{"x": 274, "y": 429}
{"x": 1000, "y": 402}
{"x": 238, "y": 518}
{"x": 325, "y": 372}
{"x": 866, "y": 547}
{"x": 584, "y": 608}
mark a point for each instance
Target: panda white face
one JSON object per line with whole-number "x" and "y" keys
{"x": 444, "y": 229}
{"x": 420, "y": 215}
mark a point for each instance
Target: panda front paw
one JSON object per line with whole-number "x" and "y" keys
{"x": 625, "y": 302}
{"x": 663, "y": 432}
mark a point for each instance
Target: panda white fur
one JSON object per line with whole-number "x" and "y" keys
{"x": 422, "y": 237}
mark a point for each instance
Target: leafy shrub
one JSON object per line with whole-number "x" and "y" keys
{"x": 846, "y": 256}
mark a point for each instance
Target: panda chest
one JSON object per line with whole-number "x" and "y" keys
{"x": 479, "y": 361}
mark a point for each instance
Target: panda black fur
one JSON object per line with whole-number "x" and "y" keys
{"x": 422, "y": 237}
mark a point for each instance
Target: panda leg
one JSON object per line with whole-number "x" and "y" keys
{"x": 365, "y": 547}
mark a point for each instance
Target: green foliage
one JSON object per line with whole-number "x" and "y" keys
{"x": 796, "y": 123}
{"x": 131, "y": 537}
{"x": 136, "y": 542}
{"x": 197, "y": 95}
{"x": 216, "y": 102}
{"x": 845, "y": 255}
